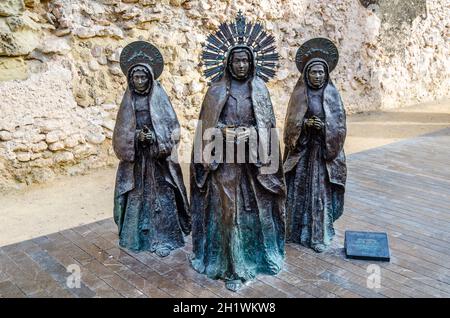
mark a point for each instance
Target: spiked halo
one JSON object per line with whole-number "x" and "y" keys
{"x": 218, "y": 45}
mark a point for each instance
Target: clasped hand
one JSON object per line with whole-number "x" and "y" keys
{"x": 146, "y": 135}
{"x": 315, "y": 122}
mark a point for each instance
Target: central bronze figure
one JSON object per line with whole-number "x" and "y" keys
{"x": 238, "y": 218}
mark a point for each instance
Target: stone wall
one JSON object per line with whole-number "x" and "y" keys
{"x": 60, "y": 81}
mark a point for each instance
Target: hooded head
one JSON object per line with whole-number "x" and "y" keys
{"x": 140, "y": 79}
{"x": 316, "y": 73}
{"x": 240, "y": 63}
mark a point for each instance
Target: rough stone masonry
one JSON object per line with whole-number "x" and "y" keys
{"x": 60, "y": 81}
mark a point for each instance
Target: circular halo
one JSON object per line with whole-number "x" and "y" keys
{"x": 141, "y": 52}
{"x": 317, "y": 48}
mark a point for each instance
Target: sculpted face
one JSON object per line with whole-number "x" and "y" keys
{"x": 316, "y": 75}
{"x": 140, "y": 81}
{"x": 240, "y": 65}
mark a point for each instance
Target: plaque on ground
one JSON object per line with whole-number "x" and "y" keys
{"x": 367, "y": 246}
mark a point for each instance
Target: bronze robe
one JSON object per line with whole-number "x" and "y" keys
{"x": 151, "y": 207}
{"x": 314, "y": 164}
{"x": 236, "y": 234}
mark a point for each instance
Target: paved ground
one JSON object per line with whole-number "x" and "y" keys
{"x": 402, "y": 188}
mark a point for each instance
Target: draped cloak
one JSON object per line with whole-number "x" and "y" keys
{"x": 164, "y": 123}
{"x": 264, "y": 227}
{"x": 332, "y": 151}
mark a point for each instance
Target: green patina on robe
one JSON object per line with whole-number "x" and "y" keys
{"x": 150, "y": 203}
{"x": 238, "y": 218}
{"x": 314, "y": 164}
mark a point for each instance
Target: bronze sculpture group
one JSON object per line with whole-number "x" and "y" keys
{"x": 245, "y": 201}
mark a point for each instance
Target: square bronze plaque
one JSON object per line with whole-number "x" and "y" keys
{"x": 367, "y": 246}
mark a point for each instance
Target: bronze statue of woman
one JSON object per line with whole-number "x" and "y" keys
{"x": 314, "y": 161}
{"x": 238, "y": 224}
{"x": 150, "y": 203}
